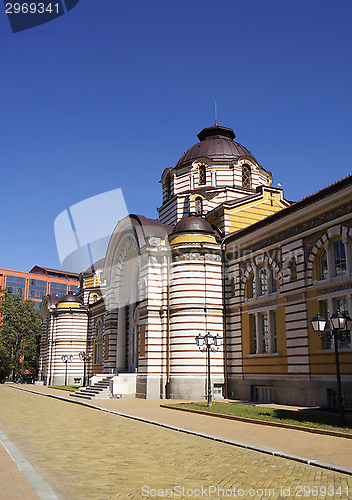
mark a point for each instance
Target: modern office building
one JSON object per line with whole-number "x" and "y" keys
{"x": 39, "y": 282}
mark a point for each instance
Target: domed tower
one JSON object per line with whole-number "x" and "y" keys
{"x": 215, "y": 170}
{"x": 195, "y": 307}
{"x": 64, "y": 333}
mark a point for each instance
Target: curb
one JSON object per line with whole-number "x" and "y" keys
{"x": 308, "y": 461}
{"x": 261, "y": 422}
{"x": 39, "y": 485}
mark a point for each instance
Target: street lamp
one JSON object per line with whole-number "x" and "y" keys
{"x": 66, "y": 359}
{"x": 341, "y": 327}
{"x": 208, "y": 343}
{"x": 85, "y": 357}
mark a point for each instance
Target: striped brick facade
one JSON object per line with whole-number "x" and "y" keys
{"x": 256, "y": 272}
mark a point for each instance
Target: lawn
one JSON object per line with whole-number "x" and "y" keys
{"x": 314, "y": 420}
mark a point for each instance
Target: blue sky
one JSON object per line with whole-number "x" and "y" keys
{"x": 113, "y": 92}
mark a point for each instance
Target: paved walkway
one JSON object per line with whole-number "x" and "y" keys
{"x": 86, "y": 454}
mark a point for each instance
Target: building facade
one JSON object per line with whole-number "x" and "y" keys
{"x": 39, "y": 282}
{"x": 229, "y": 255}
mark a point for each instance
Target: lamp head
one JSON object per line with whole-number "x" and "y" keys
{"x": 318, "y": 323}
{"x": 338, "y": 321}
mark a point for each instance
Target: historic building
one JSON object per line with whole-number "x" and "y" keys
{"x": 230, "y": 256}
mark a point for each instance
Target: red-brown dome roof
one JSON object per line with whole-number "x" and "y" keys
{"x": 193, "y": 224}
{"x": 70, "y": 297}
{"x": 216, "y": 143}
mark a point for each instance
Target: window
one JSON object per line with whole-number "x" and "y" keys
{"x": 263, "y": 284}
{"x": 254, "y": 335}
{"x": 342, "y": 306}
{"x": 98, "y": 354}
{"x": 251, "y": 287}
{"x": 16, "y": 284}
{"x": 199, "y": 205}
{"x": 339, "y": 257}
{"x": 37, "y": 289}
{"x": 246, "y": 177}
{"x": 324, "y": 266}
{"x": 59, "y": 289}
{"x": 327, "y": 331}
{"x": 263, "y": 333}
{"x": 74, "y": 288}
{"x": 202, "y": 174}
{"x": 262, "y": 394}
{"x": 346, "y": 399}
{"x": 168, "y": 187}
{"x": 273, "y": 284}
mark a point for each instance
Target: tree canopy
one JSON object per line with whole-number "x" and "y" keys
{"x": 19, "y": 337}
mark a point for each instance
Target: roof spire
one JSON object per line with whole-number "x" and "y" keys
{"x": 216, "y": 115}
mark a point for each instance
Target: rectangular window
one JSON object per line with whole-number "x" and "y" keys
{"x": 37, "y": 289}
{"x": 254, "y": 334}
{"x": 59, "y": 289}
{"x": 16, "y": 284}
{"x": 327, "y": 331}
{"x": 265, "y": 332}
{"x": 74, "y": 288}
{"x": 342, "y": 306}
{"x": 262, "y": 394}
{"x": 273, "y": 327}
{"x": 346, "y": 399}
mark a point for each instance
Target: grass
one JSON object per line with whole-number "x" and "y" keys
{"x": 66, "y": 387}
{"x": 291, "y": 417}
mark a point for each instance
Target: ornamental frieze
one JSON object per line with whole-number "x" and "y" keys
{"x": 212, "y": 257}
{"x": 262, "y": 304}
{"x": 336, "y": 288}
{"x": 301, "y": 228}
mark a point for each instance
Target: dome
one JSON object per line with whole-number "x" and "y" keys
{"x": 193, "y": 224}
{"x": 216, "y": 143}
{"x": 70, "y": 297}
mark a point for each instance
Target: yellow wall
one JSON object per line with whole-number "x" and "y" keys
{"x": 254, "y": 211}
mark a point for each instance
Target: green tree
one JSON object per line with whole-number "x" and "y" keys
{"x": 19, "y": 336}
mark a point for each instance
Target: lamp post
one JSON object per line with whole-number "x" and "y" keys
{"x": 66, "y": 359}
{"x": 208, "y": 343}
{"x": 341, "y": 327}
{"x": 85, "y": 357}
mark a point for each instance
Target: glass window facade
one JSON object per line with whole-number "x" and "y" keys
{"x": 59, "y": 289}
{"x": 16, "y": 284}
{"x": 74, "y": 288}
{"x": 37, "y": 289}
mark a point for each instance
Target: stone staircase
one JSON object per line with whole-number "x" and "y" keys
{"x": 99, "y": 390}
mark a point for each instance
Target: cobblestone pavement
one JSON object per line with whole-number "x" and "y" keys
{"x": 89, "y": 454}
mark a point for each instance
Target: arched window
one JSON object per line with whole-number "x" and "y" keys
{"x": 251, "y": 287}
{"x": 246, "y": 177}
{"x": 202, "y": 174}
{"x": 273, "y": 285}
{"x": 263, "y": 285}
{"x": 168, "y": 187}
{"x": 199, "y": 205}
{"x": 324, "y": 265}
{"x": 339, "y": 257}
